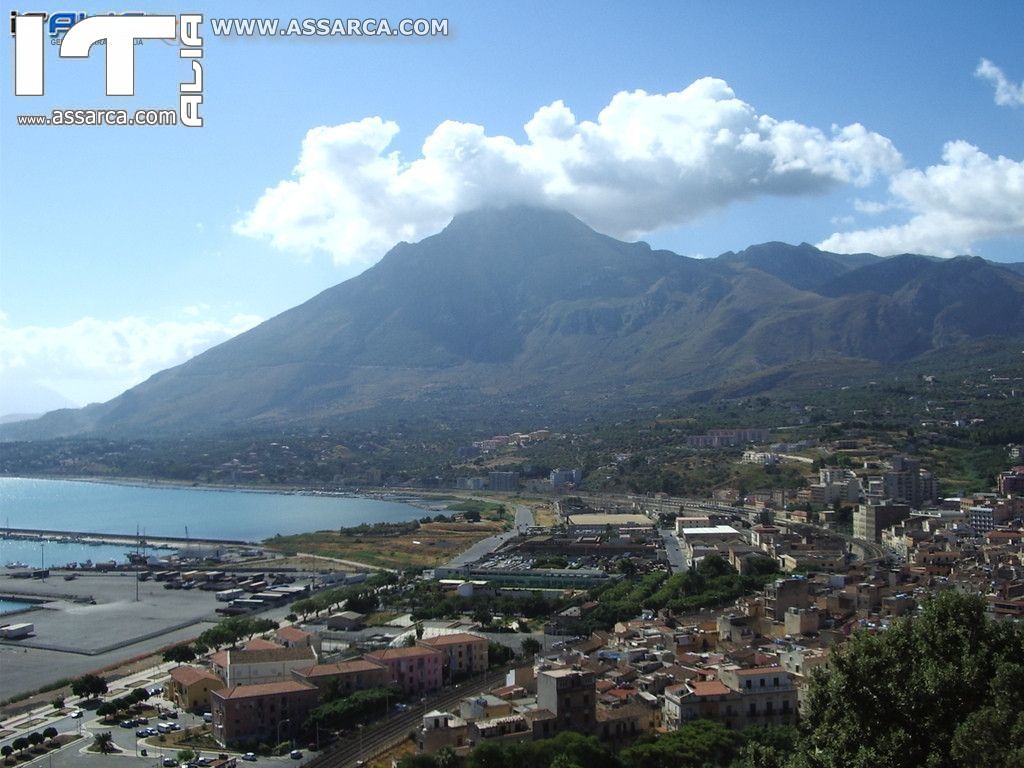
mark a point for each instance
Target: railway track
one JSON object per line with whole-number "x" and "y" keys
{"x": 381, "y": 736}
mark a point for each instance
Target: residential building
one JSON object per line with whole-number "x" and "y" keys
{"x": 268, "y": 713}
{"x": 503, "y": 481}
{"x": 189, "y": 688}
{"x": 869, "y": 520}
{"x": 464, "y": 654}
{"x": 345, "y": 677}
{"x": 415, "y": 670}
{"x": 569, "y": 694}
{"x": 253, "y": 667}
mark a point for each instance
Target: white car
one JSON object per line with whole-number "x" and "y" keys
{"x": 76, "y": 714}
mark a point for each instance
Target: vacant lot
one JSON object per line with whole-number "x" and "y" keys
{"x": 429, "y": 545}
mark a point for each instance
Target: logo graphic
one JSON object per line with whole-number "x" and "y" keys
{"x": 119, "y": 35}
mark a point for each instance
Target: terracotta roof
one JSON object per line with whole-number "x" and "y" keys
{"x": 293, "y": 633}
{"x": 263, "y": 689}
{"x": 453, "y": 639}
{"x": 219, "y": 659}
{"x": 709, "y": 688}
{"x": 759, "y": 671}
{"x": 259, "y": 644}
{"x": 340, "y": 668}
{"x": 187, "y": 675}
{"x": 403, "y": 653}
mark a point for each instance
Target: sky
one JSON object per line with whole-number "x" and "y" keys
{"x": 701, "y": 127}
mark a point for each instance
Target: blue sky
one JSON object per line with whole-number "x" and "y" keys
{"x": 126, "y": 250}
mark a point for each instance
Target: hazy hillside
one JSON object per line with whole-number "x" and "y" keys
{"x": 532, "y": 308}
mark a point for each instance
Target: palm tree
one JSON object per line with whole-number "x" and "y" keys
{"x": 103, "y": 741}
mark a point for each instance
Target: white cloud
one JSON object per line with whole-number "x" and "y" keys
{"x": 1008, "y": 93}
{"x": 870, "y": 207}
{"x": 969, "y": 197}
{"x": 91, "y": 359}
{"x": 648, "y": 161}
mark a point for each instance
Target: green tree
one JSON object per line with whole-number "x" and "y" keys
{"x": 20, "y": 744}
{"x": 89, "y": 686}
{"x": 531, "y": 647}
{"x": 944, "y": 689}
{"x": 58, "y": 703}
{"x": 186, "y": 755}
{"x": 50, "y": 733}
{"x": 181, "y": 654}
{"x": 35, "y": 738}
{"x": 6, "y": 751}
{"x": 696, "y": 744}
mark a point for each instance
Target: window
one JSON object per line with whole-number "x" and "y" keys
{"x": 753, "y": 708}
{"x": 775, "y": 682}
{"x": 762, "y": 682}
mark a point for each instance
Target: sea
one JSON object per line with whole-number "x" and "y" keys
{"x": 155, "y": 511}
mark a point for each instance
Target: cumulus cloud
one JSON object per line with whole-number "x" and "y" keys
{"x": 648, "y": 161}
{"x": 969, "y": 197}
{"x": 1008, "y": 93}
{"x": 92, "y": 359}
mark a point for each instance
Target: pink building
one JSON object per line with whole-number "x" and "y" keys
{"x": 415, "y": 670}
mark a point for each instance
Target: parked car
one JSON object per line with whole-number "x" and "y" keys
{"x": 128, "y": 723}
{"x": 249, "y": 757}
{"x": 295, "y": 754}
{"x": 170, "y": 762}
{"x": 142, "y": 733}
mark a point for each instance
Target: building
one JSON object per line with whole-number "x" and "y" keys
{"x": 738, "y": 698}
{"x": 345, "y": 677}
{"x": 464, "y": 654}
{"x": 261, "y": 714}
{"x": 293, "y": 637}
{"x": 415, "y": 670}
{"x": 767, "y": 694}
{"x": 869, "y": 520}
{"x": 346, "y": 621}
{"x": 189, "y": 688}
{"x": 1011, "y": 483}
{"x": 566, "y": 478}
{"x": 570, "y": 695}
{"x": 265, "y": 665}
{"x": 503, "y": 481}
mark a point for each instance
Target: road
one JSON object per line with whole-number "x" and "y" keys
{"x": 676, "y": 559}
{"x": 524, "y": 521}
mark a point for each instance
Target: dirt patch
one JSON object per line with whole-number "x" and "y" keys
{"x": 429, "y": 545}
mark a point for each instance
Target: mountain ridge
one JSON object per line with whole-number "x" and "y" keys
{"x": 532, "y": 307}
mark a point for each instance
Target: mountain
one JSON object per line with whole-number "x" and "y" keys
{"x": 530, "y": 309}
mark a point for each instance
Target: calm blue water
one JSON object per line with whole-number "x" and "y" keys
{"x": 57, "y": 553}
{"x": 10, "y": 606}
{"x": 97, "y": 507}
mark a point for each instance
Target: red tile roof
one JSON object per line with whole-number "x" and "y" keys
{"x": 340, "y": 668}
{"x": 759, "y": 671}
{"x": 709, "y": 688}
{"x": 187, "y": 675}
{"x": 293, "y": 634}
{"x": 263, "y": 689}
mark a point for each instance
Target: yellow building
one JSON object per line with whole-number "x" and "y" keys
{"x": 190, "y": 688}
